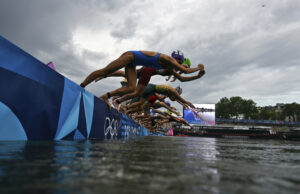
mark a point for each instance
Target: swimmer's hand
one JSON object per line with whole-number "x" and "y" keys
{"x": 201, "y": 67}
{"x": 185, "y": 106}
{"x": 177, "y": 113}
{"x": 167, "y": 79}
{"x": 201, "y": 73}
{"x": 174, "y": 110}
{"x": 174, "y": 79}
{"x": 190, "y": 105}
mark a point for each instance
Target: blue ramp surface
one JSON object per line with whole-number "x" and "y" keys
{"x": 37, "y": 103}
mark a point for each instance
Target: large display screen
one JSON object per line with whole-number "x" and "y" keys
{"x": 203, "y": 114}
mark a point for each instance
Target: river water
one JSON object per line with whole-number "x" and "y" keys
{"x": 151, "y": 165}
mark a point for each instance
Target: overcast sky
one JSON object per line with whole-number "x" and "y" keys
{"x": 250, "y": 48}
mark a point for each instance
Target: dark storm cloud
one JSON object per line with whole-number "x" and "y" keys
{"x": 45, "y": 29}
{"x": 248, "y": 50}
{"x": 125, "y": 30}
{"x": 38, "y": 24}
{"x": 266, "y": 46}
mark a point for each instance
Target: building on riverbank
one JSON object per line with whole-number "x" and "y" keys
{"x": 278, "y": 109}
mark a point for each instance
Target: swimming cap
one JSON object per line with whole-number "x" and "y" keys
{"x": 152, "y": 99}
{"x": 187, "y": 62}
{"x": 178, "y": 55}
{"x": 179, "y": 90}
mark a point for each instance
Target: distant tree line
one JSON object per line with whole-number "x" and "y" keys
{"x": 233, "y": 107}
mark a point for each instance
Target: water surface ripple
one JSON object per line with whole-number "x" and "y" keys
{"x": 151, "y": 165}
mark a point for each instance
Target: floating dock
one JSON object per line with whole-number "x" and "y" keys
{"x": 235, "y": 132}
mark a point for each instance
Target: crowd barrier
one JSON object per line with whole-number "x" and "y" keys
{"x": 38, "y": 103}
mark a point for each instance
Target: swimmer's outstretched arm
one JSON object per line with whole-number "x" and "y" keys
{"x": 185, "y": 79}
{"x": 172, "y": 109}
{"x": 184, "y": 105}
{"x": 179, "y": 98}
{"x": 180, "y": 120}
{"x": 161, "y": 115}
{"x": 174, "y": 77}
{"x": 135, "y": 106}
{"x": 170, "y": 115}
{"x": 138, "y": 103}
{"x": 133, "y": 110}
{"x": 156, "y": 110}
{"x": 173, "y": 64}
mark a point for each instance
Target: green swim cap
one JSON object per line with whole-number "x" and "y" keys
{"x": 187, "y": 62}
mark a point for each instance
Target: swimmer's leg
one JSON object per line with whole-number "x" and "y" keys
{"x": 124, "y": 60}
{"x": 137, "y": 92}
{"x": 131, "y": 85}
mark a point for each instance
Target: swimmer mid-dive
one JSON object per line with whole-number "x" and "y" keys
{"x": 129, "y": 60}
{"x": 144, "y": 74}
{"x": 153, "y": 90}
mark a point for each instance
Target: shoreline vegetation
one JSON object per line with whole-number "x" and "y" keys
{"x": 238, "y": 108}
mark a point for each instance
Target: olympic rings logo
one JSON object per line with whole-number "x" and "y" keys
{"x": 111, "y": 126}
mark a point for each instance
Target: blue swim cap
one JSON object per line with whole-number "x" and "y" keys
{"x": 178, "y": 55}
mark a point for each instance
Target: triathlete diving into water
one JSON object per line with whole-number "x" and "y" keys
{"x": 145, "y": 73}
{"x": 129, "y": 60}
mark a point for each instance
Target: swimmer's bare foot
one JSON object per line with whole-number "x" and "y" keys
{"x": 105, "y": 99}
{"x": 82, "y": 85}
